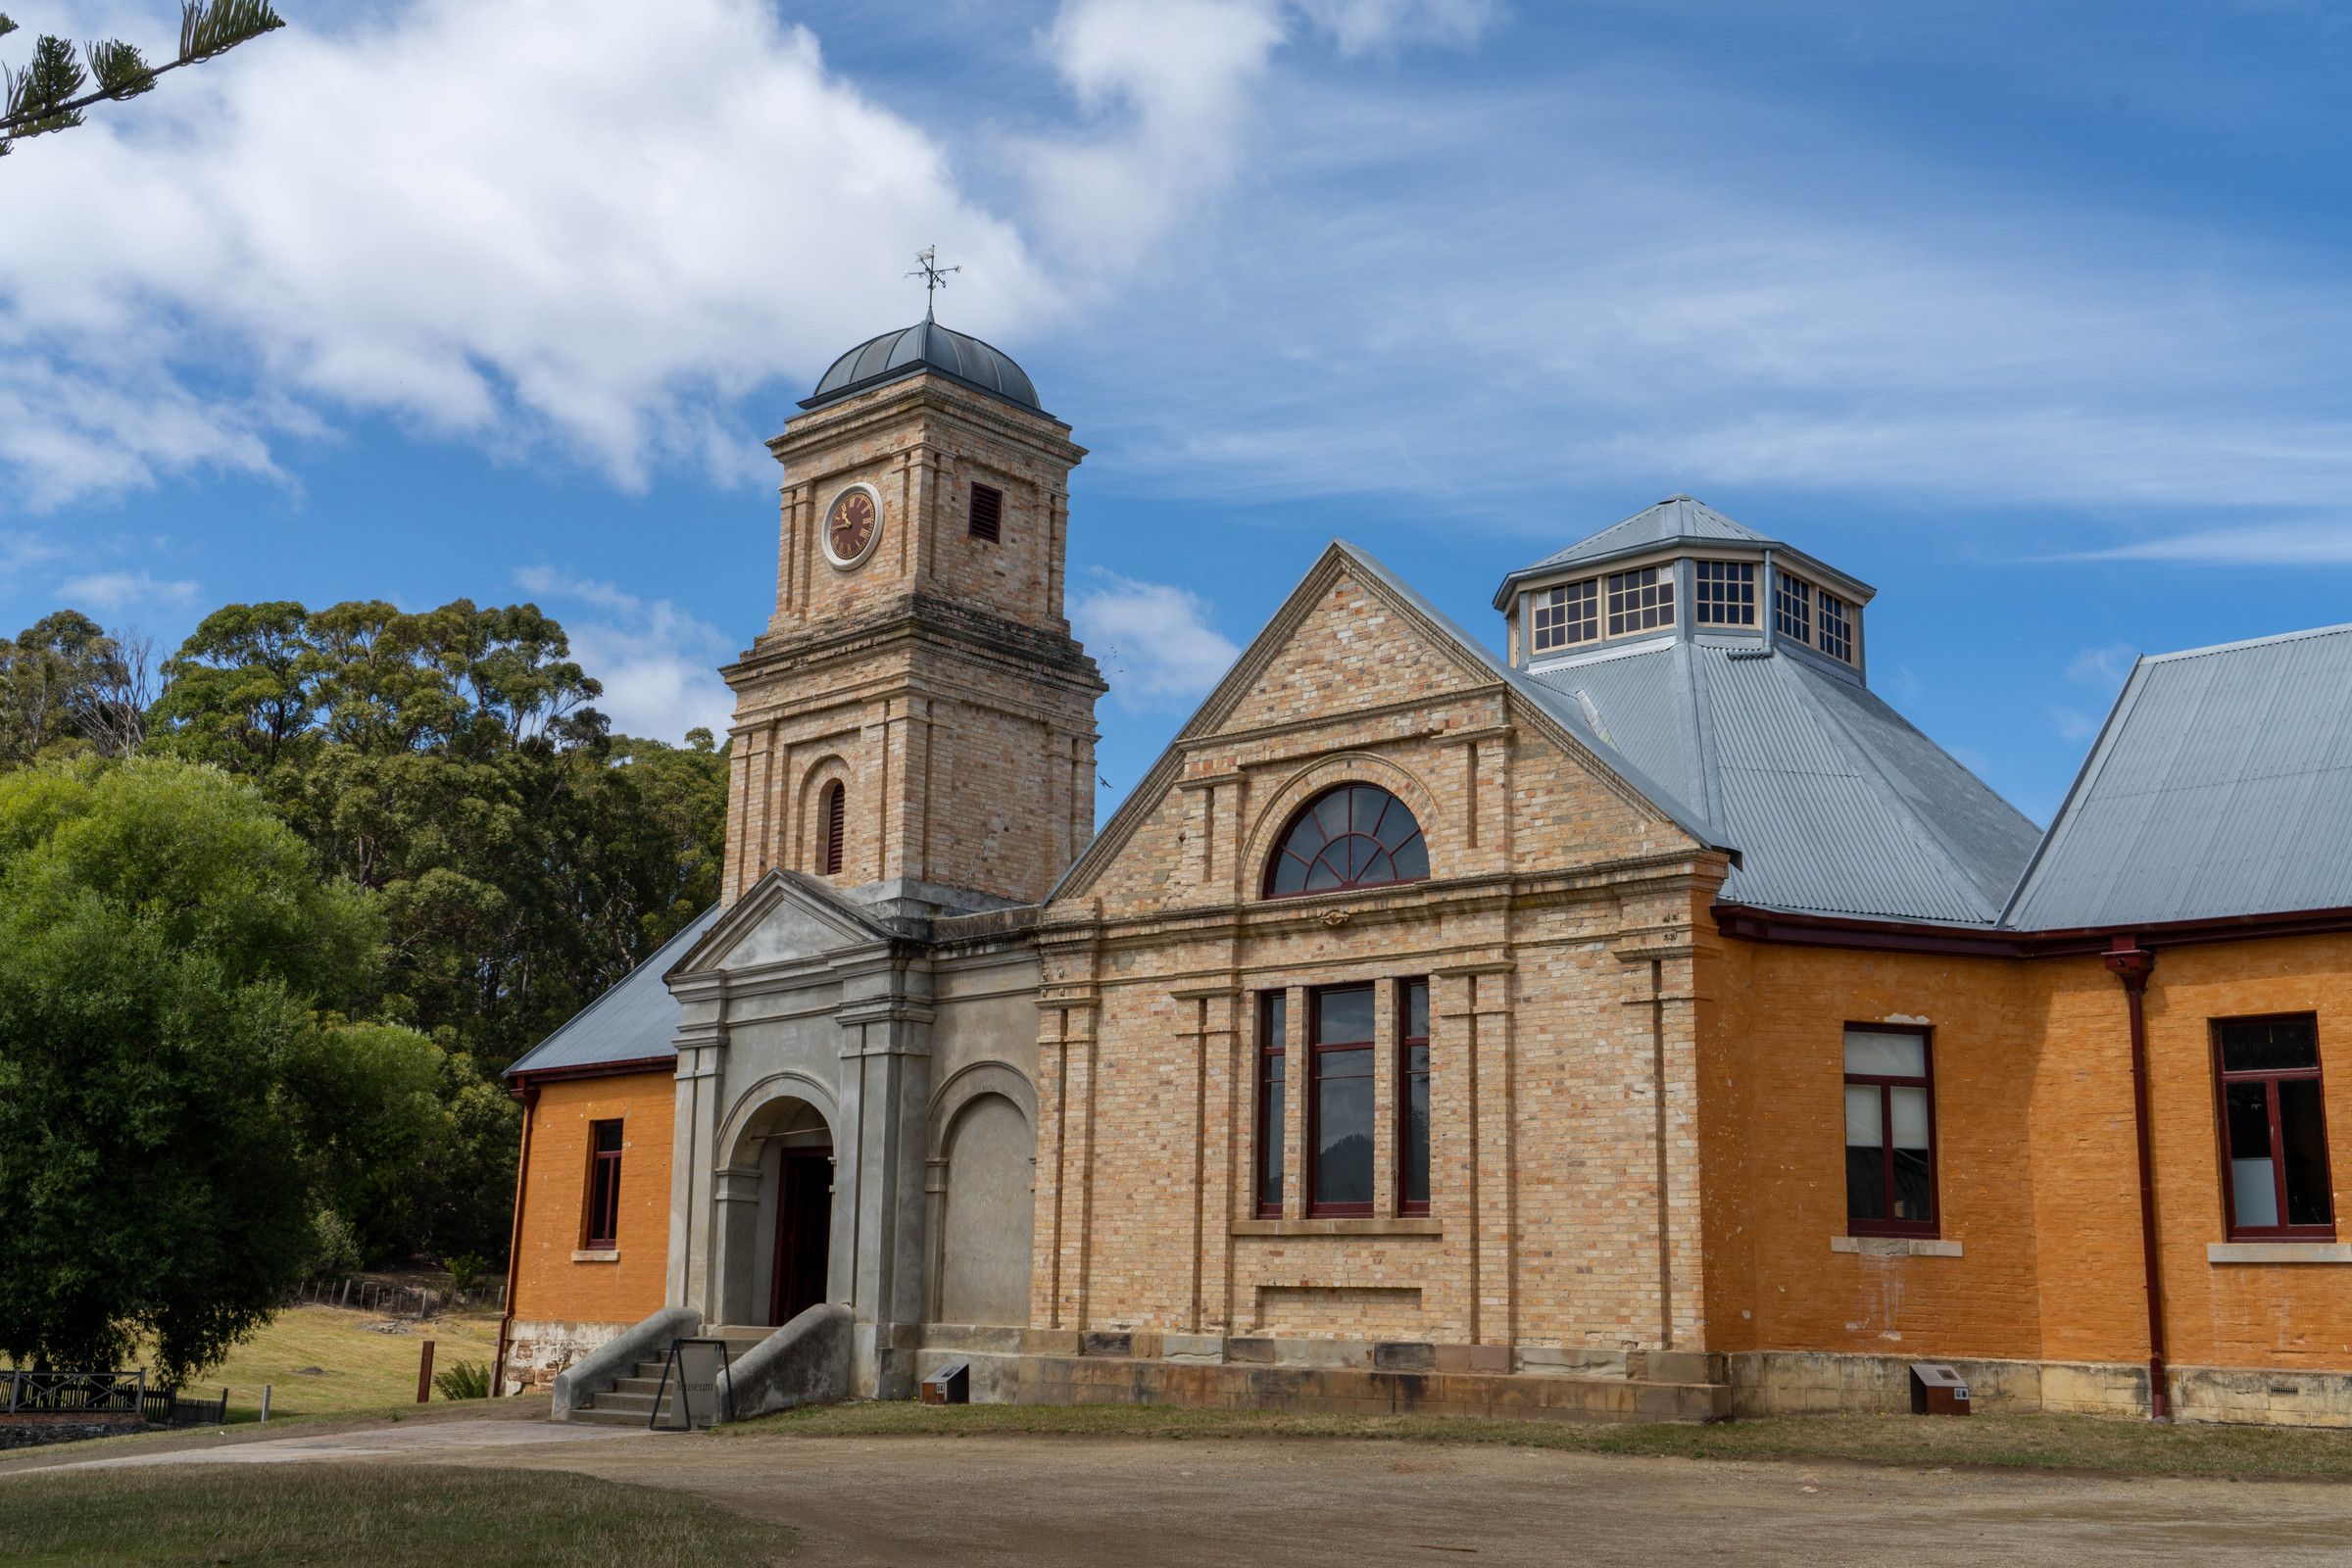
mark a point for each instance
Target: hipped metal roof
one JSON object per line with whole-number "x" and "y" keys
{"x": 1676, "y": 522}
{"x": 637, "y": 1021}
{"x": 2221, "y": 786}
{"x": 1835, "y": 802}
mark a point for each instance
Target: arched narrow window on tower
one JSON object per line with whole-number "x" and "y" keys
{"x": 836, "y": 820}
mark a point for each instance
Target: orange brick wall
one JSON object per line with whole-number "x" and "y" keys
{"x": 1775, "y": 1163}
{"x": 549, "y": 1284}
{"x": 2037, "y": 1172}
{"x": 2216, "y": 1314}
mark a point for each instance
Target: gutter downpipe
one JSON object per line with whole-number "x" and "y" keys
{"x": 522, "y": 1167}
{"x": 2132, "y": 966}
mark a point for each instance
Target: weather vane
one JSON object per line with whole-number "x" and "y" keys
{"x": 934, "y": 275}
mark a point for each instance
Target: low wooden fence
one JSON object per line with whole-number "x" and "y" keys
{"x": 394, "y": 1300}
{"x": 170, "y": 1407}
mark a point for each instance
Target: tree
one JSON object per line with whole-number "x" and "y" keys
{"x": 66, "y": 687}
{"x": 163, "y": 941}
{"x": 406, "y": 1149}
{"x": 47, "y": 94}
{"x": 450, "y": 762}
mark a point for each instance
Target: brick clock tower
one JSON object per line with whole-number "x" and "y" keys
{"x": 916, "y": 721}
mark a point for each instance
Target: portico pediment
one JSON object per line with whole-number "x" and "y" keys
{"x": 783, "y": 919}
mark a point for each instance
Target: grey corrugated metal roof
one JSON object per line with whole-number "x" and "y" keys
{"x": 2221, "y": 785}
{"x": 1838, "y": 806}
{"x": 926, "y": 345}
{"x": 1679, "y": 520}
{"x": 635, "y": 1020}
{"x": 1675, "y": 519}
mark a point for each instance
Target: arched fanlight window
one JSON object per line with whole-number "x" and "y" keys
{"x": 1355, "y": 836}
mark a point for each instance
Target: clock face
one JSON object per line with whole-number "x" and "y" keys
{"x": 851, "y": 526}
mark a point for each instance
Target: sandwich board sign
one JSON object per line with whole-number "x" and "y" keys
{"x": 698, "y": 1369}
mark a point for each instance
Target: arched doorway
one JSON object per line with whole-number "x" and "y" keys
{"x": 803, "y": 1233}
{"x": 784, "y": 1242}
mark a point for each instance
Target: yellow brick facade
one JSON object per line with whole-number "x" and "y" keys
{"x": 1555, "y": 931}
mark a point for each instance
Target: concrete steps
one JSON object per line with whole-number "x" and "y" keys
{"x": 629, "y": 1402}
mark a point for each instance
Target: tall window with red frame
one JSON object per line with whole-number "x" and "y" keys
{"x": 604, "y": 1185}
{"x": 1890, "y": 1133}
{"x": 2275, "y": 1128}
{"x": 1273, "y": 1016}
{"x": 1413, "y": 1097}
{"x": 1340, "y": 1107}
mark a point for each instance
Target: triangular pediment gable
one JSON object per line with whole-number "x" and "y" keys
{"x": 784, "y": 917}
{"x": 1302, "y": 657}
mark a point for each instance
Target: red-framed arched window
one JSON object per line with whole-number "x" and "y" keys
{"x": 1353, "y": 836}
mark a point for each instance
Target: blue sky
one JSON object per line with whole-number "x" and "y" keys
{"x": 2036, "y": 317}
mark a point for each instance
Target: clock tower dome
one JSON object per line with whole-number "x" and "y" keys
{"x": 917, "y": 722}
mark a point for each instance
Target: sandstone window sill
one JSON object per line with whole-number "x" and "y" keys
{"x": 2279, "y": 1251}
{"x": 1370, "y": 1225}
{"x": 612, "y": 1256}
{"x": 1893, "y": 1246}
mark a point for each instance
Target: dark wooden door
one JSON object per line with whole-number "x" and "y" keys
{"x": 803, "y": 1233}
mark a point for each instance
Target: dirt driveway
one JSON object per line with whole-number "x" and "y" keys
{"x": 907, "y": 1501}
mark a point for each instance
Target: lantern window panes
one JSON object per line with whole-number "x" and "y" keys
{"x": 1567, "y": 615}
{"x": 1726, "y": 593}
{"x": 1640, "y": 600}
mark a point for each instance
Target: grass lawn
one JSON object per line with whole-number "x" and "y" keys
{"x": 2038, "y": 1440}
{"x": 383, "y": 1517}
{"x": 357, "y": 1369}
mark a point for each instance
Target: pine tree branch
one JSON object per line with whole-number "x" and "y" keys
{"x": 41, "y": 97}
{"x": 206, "y": 31}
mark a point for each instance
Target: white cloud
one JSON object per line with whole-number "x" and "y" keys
{"x": 2074, "y": 726}
{"x": 1170, "y": 92}
{"x": 114, "y": 592}
{"x": 1677, "y": 286}
{"x": 2271, "y": 544}
{"x": 509, "y": 221}
{"x": 1156, "y": 645}
{"x": 524, "y": 222}
{"x": 1359, "y": 27}
{"x": 1169, "y": 86}
{"x": 657, "y": 662}
{"x": 2103, "y": 666}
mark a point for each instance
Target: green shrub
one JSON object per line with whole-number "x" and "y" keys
{"x": 464, "y": 1380}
